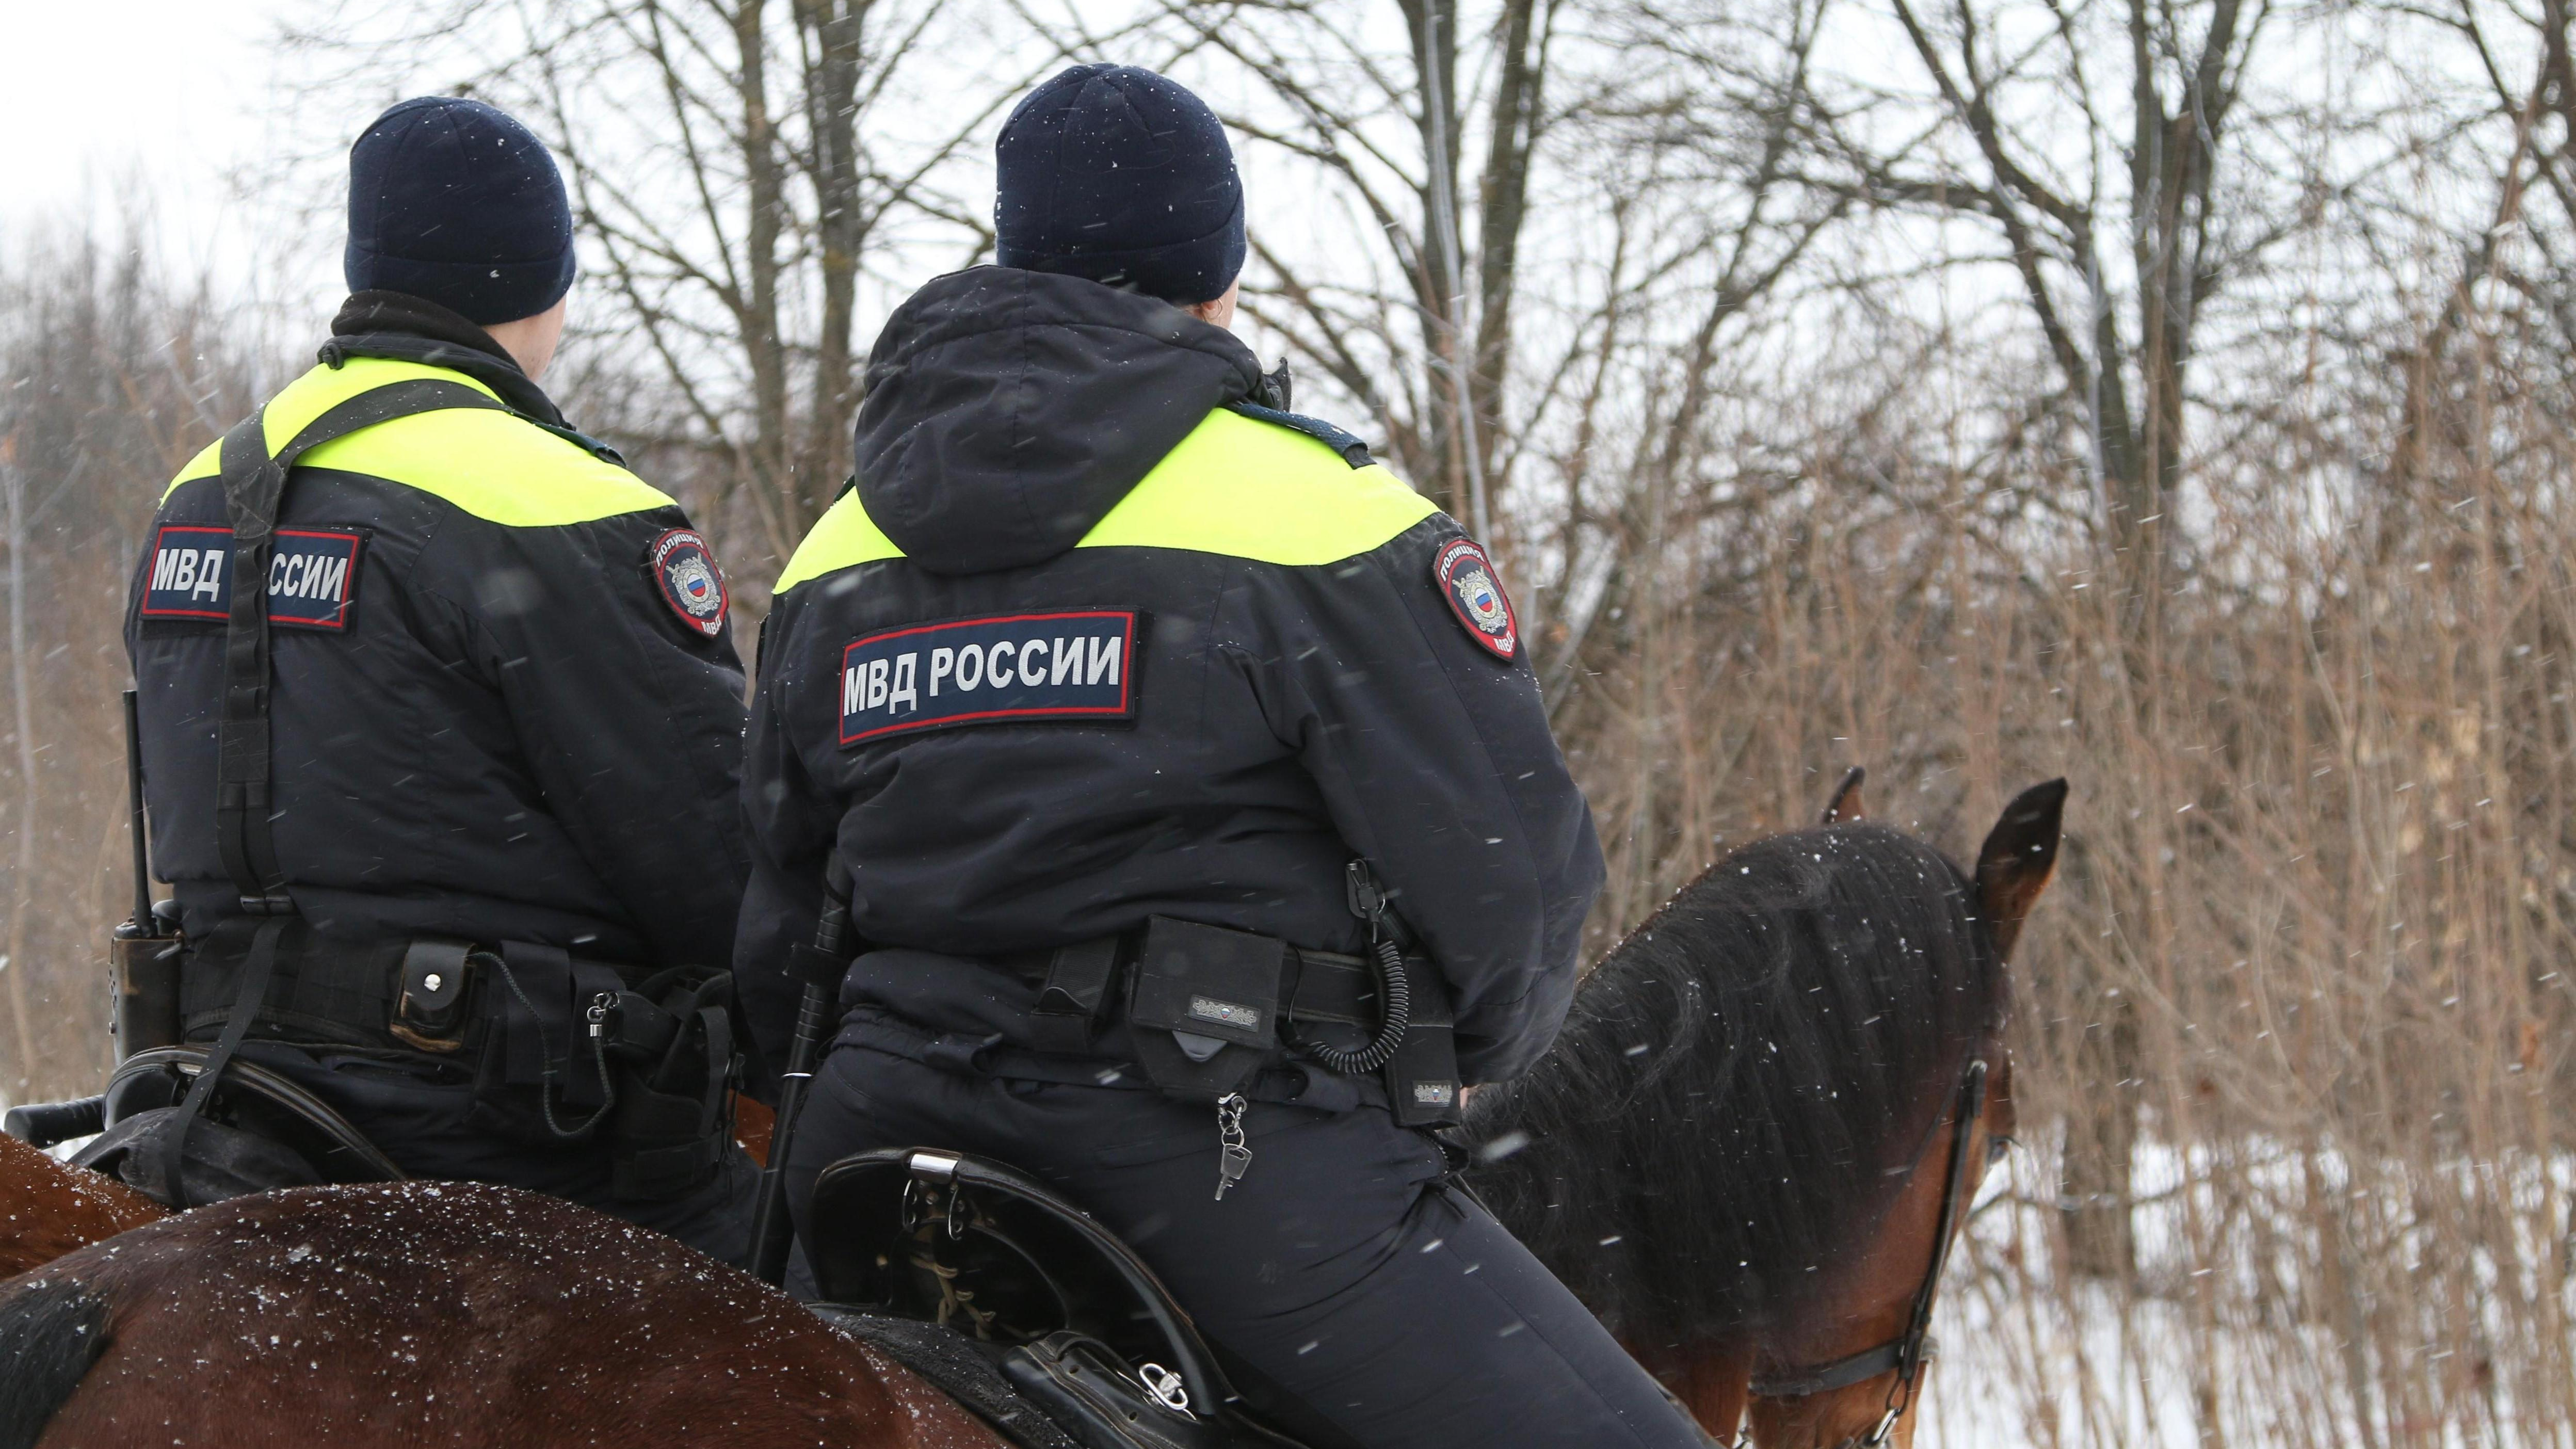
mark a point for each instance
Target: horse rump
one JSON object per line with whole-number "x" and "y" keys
{"x": 52, "y": 1328}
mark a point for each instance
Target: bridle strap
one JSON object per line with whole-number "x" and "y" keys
{"x": 1842, "y": 1373}
{"x": 1904, "y": 1356}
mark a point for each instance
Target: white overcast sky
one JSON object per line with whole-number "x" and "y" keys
{"x": 107, "y": 102}
{"x": 97, "y": 95}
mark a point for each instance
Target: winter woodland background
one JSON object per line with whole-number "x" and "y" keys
{"x": 2176, "y": 395}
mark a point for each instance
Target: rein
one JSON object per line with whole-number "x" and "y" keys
{"x": 1904, "y": 1356}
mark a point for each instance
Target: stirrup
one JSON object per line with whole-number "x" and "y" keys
{"x": 1073, "y": 1318}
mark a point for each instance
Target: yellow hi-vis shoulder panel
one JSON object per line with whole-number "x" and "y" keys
{"x": 488, "y": 463}
{"x": 1249, "y": 489}
{"x": 844, "y": 537}
{"x": 1235, "y": 486}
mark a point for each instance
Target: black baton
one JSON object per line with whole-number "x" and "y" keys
{"x": 819, "y": 966}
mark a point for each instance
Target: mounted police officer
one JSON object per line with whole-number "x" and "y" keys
{"x": 441, "y": 723}
{"x": 1126, "y": 702}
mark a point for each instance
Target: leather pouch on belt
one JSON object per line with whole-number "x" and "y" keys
{"x": 1422, "y": 1077}
{"x": 1205, "y": 1008}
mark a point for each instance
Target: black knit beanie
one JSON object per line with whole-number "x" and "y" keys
{"x": 1122, "y": 176}
{"x": 453, "y": 201}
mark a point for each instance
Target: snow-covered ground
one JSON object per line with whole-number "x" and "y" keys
{"x": 2224, "y": 1344}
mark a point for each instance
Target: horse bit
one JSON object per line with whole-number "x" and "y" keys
{"x": 1904, "y": 1356}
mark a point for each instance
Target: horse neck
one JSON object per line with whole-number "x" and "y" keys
{"x": 48, "y": 1209}
{"x": 1529, "y": 1169}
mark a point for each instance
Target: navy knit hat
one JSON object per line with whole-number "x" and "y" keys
{"x": 454, "y": 201}
{"x": 1122, "y": 176}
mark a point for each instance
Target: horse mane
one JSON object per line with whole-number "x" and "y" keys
{"x": 1808, "y": 1000}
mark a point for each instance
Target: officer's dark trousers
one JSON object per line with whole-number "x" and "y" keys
{"x": 422, "y": 1126}
{"x": 1341, "y": 1269}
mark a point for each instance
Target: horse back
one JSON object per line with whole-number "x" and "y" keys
{"x": 48, "y": 1209}
{"x": 460, "y": 1313}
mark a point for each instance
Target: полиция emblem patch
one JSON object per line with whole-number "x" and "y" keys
{"x": 684, "y": 569}
{"x": 1475, "y": 593}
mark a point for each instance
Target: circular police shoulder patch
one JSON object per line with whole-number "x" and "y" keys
{"x": 684, "y": 569}
{"x": 1467, "y": 579}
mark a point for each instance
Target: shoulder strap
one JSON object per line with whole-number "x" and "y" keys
{"x": 254, "y": 482}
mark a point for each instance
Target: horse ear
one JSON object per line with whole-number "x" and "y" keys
{"x": 2018, "y": 857}
{"x": 1846, "y": 802}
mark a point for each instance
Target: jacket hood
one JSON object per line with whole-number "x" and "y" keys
{"x": 1008, "y": 411}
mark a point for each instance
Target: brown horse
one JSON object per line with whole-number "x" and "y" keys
{"x": 1741, "y": 1151}
{"x": 444, "y": 1309}
{"x": 448, "y": 1313}
{"x": 47, "y": 1209}
{"x": 1721, "y": 1156}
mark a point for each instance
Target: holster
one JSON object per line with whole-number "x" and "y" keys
{"x": 671, "y": 1053}
{"x": 221, "y": 1161}
{"x": 530, "y": 1026}
{"x": 1204, "y": 1007}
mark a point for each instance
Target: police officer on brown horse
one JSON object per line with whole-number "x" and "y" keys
{"x": 440, "y": 718}
{"x": 1196, "y": 801}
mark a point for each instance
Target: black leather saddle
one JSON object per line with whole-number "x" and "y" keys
{"x": 258, "y": 1131}
{"x": 1073, "y": 1320}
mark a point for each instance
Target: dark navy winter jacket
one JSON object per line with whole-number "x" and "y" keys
{"x": 1097, "y": 637}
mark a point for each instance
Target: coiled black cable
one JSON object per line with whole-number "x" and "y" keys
{"x": 1395, "y": 994}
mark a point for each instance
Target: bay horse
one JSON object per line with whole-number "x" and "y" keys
{"x": 1720, "y": 1156}
{"x": 1744, "y": 1151}
{"x": 429, "y": 1312}
{"x": 47, "y": 1209}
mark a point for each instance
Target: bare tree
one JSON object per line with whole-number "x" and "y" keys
{"x": 109, "y": 380}
{"x": 2094, "y": 145}
{"x": 2100, "y": 158}
{"x": 738, "y": 166}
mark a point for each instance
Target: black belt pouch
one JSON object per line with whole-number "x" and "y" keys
{"x": 530, "y": 1045}
{"x": 1205, "y": 1007}
{"x": 1422, "y": 1077}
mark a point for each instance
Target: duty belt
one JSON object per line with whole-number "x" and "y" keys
{"x": 1076, "y": 998}
{"x": 556, "y": 1049}
{"x": 1205, "y": 1008}
{"x": 388, "y": 995}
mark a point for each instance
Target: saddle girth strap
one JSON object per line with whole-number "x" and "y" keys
{"x": 254, "y": 483}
